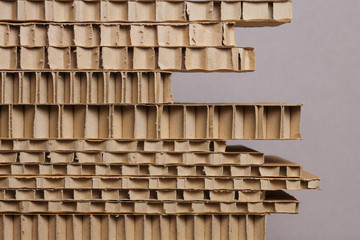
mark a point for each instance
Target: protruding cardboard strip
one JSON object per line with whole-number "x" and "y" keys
{"x": 180, "y": 59}
{"x": 115, "y": 35}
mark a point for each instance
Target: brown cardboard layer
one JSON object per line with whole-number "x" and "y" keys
{"x": 131, "y": 227}
{"x": 126, "y": 194}
{"x": 115, "y": 145}
{"x": 286, "y": 204}
{"x": 115, "y": 162}
{"x": 263, "y": 13}
{"x": 115, "y": 35}
{"x": 161, "y": 121}
{"x": 161, "y": 183}
{"x": 179, "y": 59}
{"x": 168, "y": 169}
{"x": 85, "y": 87}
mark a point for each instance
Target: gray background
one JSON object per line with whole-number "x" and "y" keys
{"x": 315, "y": 60}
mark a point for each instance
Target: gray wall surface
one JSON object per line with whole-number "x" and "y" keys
{"x": 315, "y": 60}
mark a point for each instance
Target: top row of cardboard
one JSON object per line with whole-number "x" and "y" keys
{"x": 248, "y": 13}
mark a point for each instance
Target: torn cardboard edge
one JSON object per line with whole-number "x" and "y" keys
{"x": 115, "y": 35}
{"x": 161, "y": 121}
{"x": 262, "y": 13}
{"x": 85, "y": 87}
{"x": 111, "y": 226}
{"x": 182, "y": 59}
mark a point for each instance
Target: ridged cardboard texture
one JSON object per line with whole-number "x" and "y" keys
{"x": 141, "y": 227}
{"x": 244, "y": 13}
{"x": 169, "y": 121}
{"x": 115, "y": 35}
{"x": 85, "y": 87}
{"x": 66, "y": 145}
{"x": 167, "y": 164}
{"x": 92, "y": 145}
{"x": 177, "y": 59}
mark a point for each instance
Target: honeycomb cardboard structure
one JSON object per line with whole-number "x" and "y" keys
{"x": 92, "y": 145}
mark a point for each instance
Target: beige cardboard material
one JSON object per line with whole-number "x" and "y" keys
{"x": 8, "y": 10}
{"x": 284, "y": 204}
{"x": 282, "y": 10}
{"x": 30, "y": 10}
{"x": 32, "y": 58}
{"x": 33, "y": 35}
{"x": 60, "y": 35}
{"x": 151, "y": 122}
{"x": 60, "y": 58}
{"x": 266, "y": 170}
{"x": 231, "y": 59}
{"x": 92, "y": 177}
{"x": 186, "y": 183}
{"x": 78, "y": 226}
{"x": 9, "y": 35}
{"x": 170, "y": 11}
{"x": 137, "y": 11}
{"x": 9, "y": 57}
{"x": 203, "y": 10}
{"x": 257, "y": 11}
{"x": 119, "y": 146}
{"x": 85, "y": 87}
{"x": 231, "y": 10}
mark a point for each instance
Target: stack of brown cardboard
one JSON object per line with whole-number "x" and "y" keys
{"x": 92, "y": 145}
